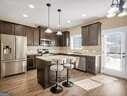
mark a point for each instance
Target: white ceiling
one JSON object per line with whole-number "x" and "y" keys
{"x": 12, "y": 10}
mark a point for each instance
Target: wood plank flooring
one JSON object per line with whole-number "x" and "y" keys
{"x": 26, "y": 85}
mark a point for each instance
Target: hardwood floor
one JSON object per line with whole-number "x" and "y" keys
{"x": 26, "y": 85}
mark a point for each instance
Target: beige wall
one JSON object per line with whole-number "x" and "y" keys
{"x": 106, "y": 24}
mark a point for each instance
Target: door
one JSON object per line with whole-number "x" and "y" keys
{"x": 114, "y": 52}
{"x": 7, "y": 47}
{"x": 21, "y": 47}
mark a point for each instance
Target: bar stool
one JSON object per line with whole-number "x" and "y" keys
{"x": 56, "y": 68}
{"x": 68, "y": 66}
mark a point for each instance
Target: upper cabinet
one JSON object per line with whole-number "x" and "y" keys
{"x": 20, "y": 30}
{"x": 44, "y": 35}
{"x": 36, "y": 36}
{"x": 6, "y": 28}
{"x": 30, "y": 36}
{"x": 63, "y": 40}
{"x": 91, "y": 34}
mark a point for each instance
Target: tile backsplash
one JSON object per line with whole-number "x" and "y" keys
{"x": 84, "y": 49}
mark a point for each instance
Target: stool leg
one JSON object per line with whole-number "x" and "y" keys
{"x": 57, "y": 88}
{"x": 67, "y": 83}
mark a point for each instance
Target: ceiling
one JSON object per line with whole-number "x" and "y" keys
{"x": 13, "y": 10}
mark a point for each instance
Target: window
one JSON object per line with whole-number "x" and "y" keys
{"x": 76, "y": 41}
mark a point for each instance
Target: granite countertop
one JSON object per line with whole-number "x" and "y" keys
{"x": 77, "y": 54}
{"x": 52, "y": 57}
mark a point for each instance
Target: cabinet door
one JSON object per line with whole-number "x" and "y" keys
{"x": 59, "y": 41}
{"x": 20, "y": 30}
{"x": 66, "y": 38}
{"x": 63, "y": 40}
{"x": 36, "y": 37}
{"x": 7, "y": 28}
{"x": 0, "y": 27}
{"x": 30, "y": 36}
{"x": 90, "y": 64}
{"x": 93, "y": 34}
{"x": 85, "y": 36}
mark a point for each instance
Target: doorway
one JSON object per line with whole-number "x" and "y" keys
{"x": 114, "y": 52}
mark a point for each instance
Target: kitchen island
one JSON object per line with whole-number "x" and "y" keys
{"x": 45, "y": 76}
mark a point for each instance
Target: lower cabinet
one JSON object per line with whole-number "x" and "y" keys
{"x": 93, "y": 64}
{"x": 90, "y": 64}
{"x": 31, "y": 62}
{"x": 82, "y": 64}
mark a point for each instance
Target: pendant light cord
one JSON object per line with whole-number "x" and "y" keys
{"x": 48, "y": 17}
{"x": 59, "y": 10}
{"x": 48, "y": 5}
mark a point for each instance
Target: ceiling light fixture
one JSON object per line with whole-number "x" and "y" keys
{"x": 83, "y": 15}
{"x": 31, "y": 6}
{"x": 25, "y": 15}
{"x": 118, "y": 8}
{"x": 69, "y": 21}
{"x": 60, "y": 29}
{"x": 48, "y": 30}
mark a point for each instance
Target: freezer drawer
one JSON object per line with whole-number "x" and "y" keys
{"x": 13, "y": 67}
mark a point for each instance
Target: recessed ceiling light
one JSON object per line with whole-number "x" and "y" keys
{"x": 31, "y": 6}
{"x": 69, "y": 21}
{"x": 83, "y": 15}
{"x": 25, "y": 15}
{"x": 59, "y": 25}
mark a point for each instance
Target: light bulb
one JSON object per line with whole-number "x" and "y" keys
{"x": 48, "y": 30}
{"x": 59, "y": 33}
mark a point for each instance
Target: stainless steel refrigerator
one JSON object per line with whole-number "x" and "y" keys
{"x": 13, "y": 55}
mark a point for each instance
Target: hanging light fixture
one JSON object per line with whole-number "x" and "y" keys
{"x": 118, "y": 8}
{"x": 59, "y": 32}
{"x": 48, "y": 30}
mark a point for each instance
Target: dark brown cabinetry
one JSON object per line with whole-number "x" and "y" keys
{"x": 31, "y": 62}
{"x": 30, "y": 36}
{"x": 20, "y": 30}
{"x": 6, "y": 28}
{"x": 63, "y": 40}
{"x": 44, "y": 35}
{"x": 93, "y": 64}
{"x": 36, "y": 36}
{"x": 90, "y": 64}
{"x": 91, "y": 34}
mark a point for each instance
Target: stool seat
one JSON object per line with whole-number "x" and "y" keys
{"x": 54, "y": 68}
{"x": 69, "y": 66}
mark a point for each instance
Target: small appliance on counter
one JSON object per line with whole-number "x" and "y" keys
{"x": 12, "y": 55}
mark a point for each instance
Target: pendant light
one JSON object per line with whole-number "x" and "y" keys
{"x": 118, "y": 8}
{"x": 59, "y": 32}
{"x": 48, "y": 30}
